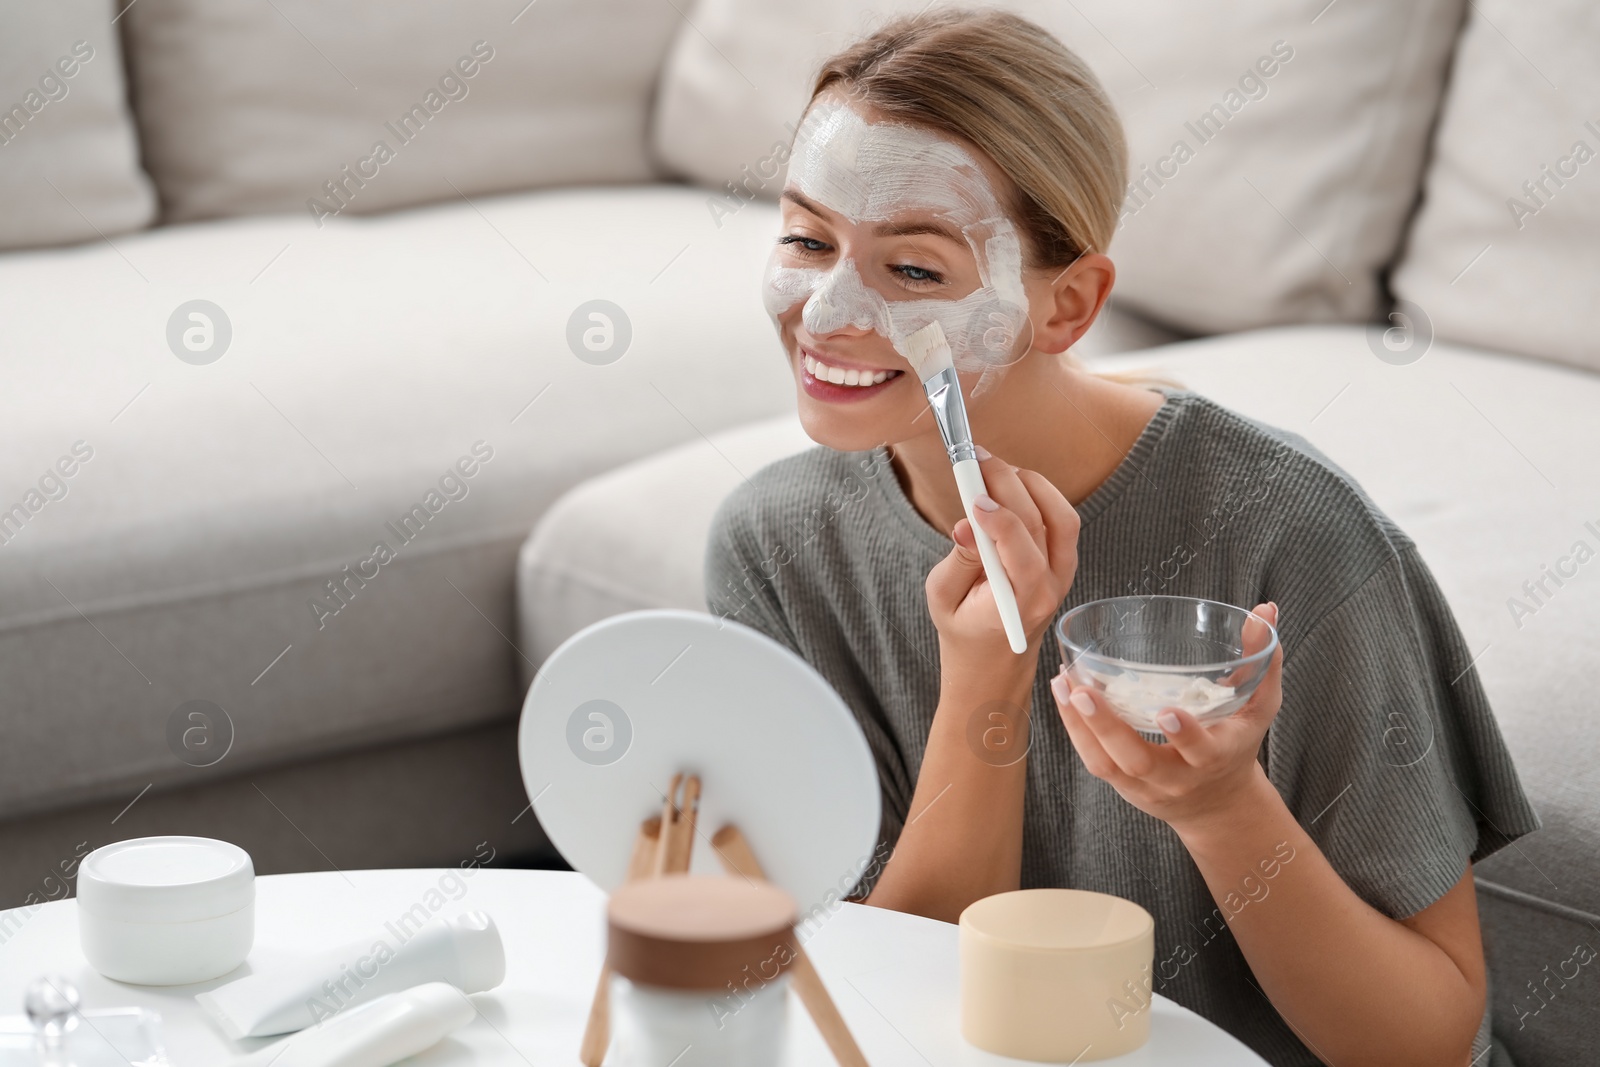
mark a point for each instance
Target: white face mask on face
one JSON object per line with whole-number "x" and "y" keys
{"x": 873, "y": 172}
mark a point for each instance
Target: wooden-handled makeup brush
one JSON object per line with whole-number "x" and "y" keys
{"x": 930, "y": 358}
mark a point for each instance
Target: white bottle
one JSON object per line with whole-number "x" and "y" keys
{"x": 378, "y": 1033}
{"x": 465, "y": 951}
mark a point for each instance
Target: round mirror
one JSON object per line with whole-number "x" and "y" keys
{"x": 626, "y": 703}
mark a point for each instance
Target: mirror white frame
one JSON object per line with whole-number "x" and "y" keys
{"x": 627, "y": 702}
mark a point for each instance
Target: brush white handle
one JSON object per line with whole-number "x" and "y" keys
{"x": 969, "y": 480}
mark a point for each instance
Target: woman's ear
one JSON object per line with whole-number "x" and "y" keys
{"x": 1067, "y": 305}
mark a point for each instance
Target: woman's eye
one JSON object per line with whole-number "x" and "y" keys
{"x": 805, "y": 246}
{"x": 916, "y": 275}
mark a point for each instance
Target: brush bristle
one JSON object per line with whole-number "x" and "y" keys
{"x": 927, "y": 351}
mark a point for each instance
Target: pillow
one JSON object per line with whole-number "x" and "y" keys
{"x": 69, "y": 161}
{"x": 366, "y": 105}
{"x": 1505, "y": 252}
{"x": 1304, "y": 134}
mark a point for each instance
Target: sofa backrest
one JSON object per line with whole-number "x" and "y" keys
{"x": 1505, "y": 253}
{"x": 367, "y": 105}
{"x": 69, "y": 160}
{"x": 1277, "y": 154}
{"x": 1275, "y": 149}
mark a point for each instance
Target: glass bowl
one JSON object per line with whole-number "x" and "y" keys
{"x": 1147, "y": 653}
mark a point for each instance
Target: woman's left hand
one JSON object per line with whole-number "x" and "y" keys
{"x": 1202, "y": 771}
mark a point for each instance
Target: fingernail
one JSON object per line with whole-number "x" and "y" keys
{"x": 1084, "y": 703}
{"x": 982, "y": 453}
{"x": 1169, "y": 722}
{"x": 1062, "y": 690}
{"x": 986, "y": 502}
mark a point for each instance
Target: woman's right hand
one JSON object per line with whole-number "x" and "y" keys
{"x": 1035, "y": 531}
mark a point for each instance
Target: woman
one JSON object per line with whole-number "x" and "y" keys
{"x": 1308, "y": 861}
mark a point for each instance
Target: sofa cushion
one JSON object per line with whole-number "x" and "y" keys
{"x": 1291, "y": 189}
{"x": 1486, "y": 461}
{"x": 282, "y": 105}
{"x": 177, "y": 551}
{"x": 69, "y": 159}
{"x": 1506, "y": 249}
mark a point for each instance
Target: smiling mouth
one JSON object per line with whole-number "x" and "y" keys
{"x": 842, "y": 376}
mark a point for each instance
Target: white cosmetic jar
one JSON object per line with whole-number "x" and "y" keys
{"x": 166, "y": 910}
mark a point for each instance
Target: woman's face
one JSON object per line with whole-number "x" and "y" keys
{"x": 886, "y": 228}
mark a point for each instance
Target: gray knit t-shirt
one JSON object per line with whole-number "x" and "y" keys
{"x": 1384, "y": 749}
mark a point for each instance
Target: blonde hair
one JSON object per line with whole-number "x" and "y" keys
{"x": 1006, "y": 86}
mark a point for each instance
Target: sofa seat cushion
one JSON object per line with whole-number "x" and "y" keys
{"x": 1485, "y": 460}
{"x": 177, "y": 551}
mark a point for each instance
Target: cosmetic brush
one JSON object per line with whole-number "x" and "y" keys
{"x": 929, "y": 355}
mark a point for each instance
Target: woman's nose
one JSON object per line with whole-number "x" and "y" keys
{"x": 843, "y": 300}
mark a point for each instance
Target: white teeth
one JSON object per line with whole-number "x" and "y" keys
{"x": 823, "y": 372}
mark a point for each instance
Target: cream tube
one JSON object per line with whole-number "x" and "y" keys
{"x": 465, "y": 952}
{"x": 375, "y": 1034}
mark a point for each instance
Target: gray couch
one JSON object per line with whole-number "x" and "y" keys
{"x": 197, "y": 633}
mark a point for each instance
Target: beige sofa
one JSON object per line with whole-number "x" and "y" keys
{"x": 190, "y": 508}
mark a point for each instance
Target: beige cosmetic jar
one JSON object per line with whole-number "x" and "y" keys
{"x": 1059, "y": 975}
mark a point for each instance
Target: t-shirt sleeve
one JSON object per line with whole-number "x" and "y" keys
{"x": 1385, "y": 747}
{"x": 735, "y": 588}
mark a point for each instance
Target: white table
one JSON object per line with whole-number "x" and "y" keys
{"x": 894, "y": 976}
